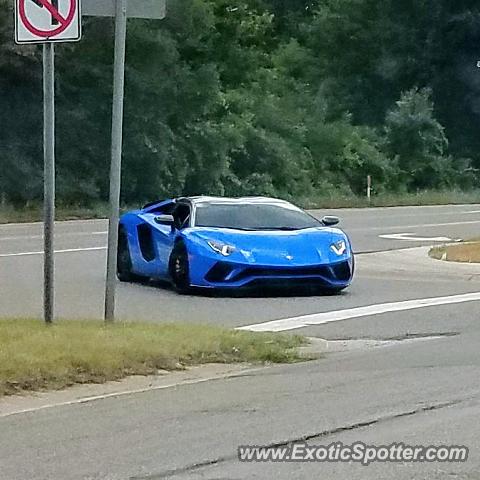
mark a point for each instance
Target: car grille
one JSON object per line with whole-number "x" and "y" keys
{"x": 221, "y": 270}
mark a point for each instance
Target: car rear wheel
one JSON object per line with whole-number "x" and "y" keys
{"x": 124, "y": 261}
{"x": 180, "y": 268}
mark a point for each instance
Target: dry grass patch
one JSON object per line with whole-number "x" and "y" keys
{"x": 35, "y": 357}
{"x": 33, "y": 212}
{"x": 467, "y": 252}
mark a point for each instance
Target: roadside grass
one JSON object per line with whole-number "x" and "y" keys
{"x": 465, "y": 252}
{"x": 422, "y": 198}
{"x": 33, "y": 213}
{"x": 36, "y": 357}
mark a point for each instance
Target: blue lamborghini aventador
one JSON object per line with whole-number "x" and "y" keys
{"x": 220, "y": 243}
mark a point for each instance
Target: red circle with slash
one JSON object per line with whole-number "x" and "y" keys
{"x": 65, "y": 22}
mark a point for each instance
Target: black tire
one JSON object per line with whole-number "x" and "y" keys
{"x": 332, "y": 291}
{"x": 180, "y": 269}
{"x": 124, "y": 261}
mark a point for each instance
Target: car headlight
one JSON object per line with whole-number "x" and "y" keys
{"x": 339, "y": 247}
{"x": 221, "y": 248}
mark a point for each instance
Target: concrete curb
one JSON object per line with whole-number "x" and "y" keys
{"x": 81, "y": 394}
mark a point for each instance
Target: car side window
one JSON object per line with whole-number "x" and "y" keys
{"x": 166, "y": 209}
{"x": 181, "y": 216}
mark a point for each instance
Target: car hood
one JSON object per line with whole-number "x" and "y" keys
{"x": 299, "y": 247}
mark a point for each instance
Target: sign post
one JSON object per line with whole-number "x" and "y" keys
{"x": 49, "y": 180}
{"x": 48, "y": 21}
{"x": 121, "y": 10}
{"x": 116, "y": 160}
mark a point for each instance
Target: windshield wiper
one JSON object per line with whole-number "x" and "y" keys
{"x": 228, "y": 228}
{"x": 284, "y": 229}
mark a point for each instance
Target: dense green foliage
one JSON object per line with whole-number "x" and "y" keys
{"x": 297, "y": 98}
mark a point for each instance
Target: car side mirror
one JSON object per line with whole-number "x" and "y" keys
{"x": 330, "y": 220}
{"x": 165, "y": 220}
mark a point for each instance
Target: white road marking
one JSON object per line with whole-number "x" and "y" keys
{"x": 410, "y": 237}
{"x": 67, "y": 250}
{"x": 294, "y": 323}
{"x": 57, "y": 235}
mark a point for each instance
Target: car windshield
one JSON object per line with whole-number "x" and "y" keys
{"x": 253, "y": 216}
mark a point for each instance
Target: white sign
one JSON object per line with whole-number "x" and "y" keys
{"x": 153, "y": 9}
{"x": 40, "y": 21}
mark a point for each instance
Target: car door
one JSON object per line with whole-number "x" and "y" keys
{"x": 157, "y": 255}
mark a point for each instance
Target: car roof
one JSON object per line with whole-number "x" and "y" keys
{"x": 235, "y": 201}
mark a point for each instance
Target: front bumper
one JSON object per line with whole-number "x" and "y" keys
{"x": 224, "y": 274}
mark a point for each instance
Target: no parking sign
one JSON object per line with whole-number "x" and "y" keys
{"x": 39, "y": 21}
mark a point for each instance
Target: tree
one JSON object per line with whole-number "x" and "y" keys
{"x": 287, "y": 97}
{"x": 418, "y": 142}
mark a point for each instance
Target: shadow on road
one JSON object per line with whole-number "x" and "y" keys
{"x": 260, "y": 291}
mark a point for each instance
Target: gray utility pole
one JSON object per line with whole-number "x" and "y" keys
{"x": 49, "y": 178}
{"x": 116, "y": 160}
{"x": 121, "y": 9}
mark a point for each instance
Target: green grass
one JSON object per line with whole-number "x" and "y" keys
{"x": 36, "y": 357}
{"x": 33, "y": 213}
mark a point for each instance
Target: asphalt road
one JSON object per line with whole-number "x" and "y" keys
{"x": 367, "y": 227}
{"x": 418, "y": 392}
{"x": 81, "y": 260}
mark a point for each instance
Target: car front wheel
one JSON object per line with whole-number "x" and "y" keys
{"x": 180, "y": 268}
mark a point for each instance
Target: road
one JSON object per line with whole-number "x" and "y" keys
{"x": 81, "y": 259}
{"x": 421, "y": 388}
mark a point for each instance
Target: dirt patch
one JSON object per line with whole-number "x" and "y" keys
{"x": 468, "y": 252}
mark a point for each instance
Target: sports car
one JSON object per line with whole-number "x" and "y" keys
{"x": 231, "y": 243}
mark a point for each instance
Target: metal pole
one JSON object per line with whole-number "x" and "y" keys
{"x": 49, "y": 179}
{"x": 116, "y": 161}
{"x": 369, "y": 188}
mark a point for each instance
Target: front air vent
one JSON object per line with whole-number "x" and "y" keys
{"x": 342, "y": 271}
{"x": 219, "y": 272}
